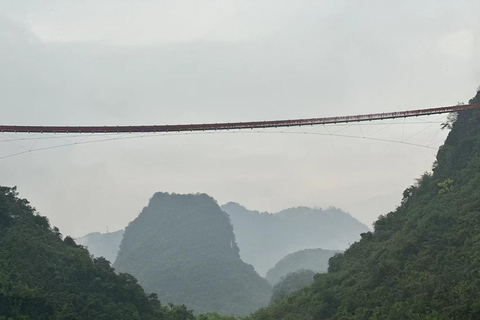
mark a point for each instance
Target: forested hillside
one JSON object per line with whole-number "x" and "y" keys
{"x": 422, "y": 260}
{"x": 183, "y": 248}
{"x": 102, "y": 244}
{"x": 265, "y": 238}
{"x": 292, "y": 282}
{"x": 45, "y": 276}
{"x": 315, "y": 260}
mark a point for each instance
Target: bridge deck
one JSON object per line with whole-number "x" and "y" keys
{"x": 234, "y": 125}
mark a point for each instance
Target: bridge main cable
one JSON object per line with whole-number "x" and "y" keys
{"x": 234, "y": 125}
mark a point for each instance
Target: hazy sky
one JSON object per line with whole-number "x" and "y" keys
{"x": 115, "y": 62}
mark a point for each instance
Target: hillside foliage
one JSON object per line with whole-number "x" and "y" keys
{"x": 421, "y": 261}
{"x": 45, "y": 276}
{"x": 292, "y": 282}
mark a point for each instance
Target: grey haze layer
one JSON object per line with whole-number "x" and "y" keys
{"x": 219, "y": 61}
{"x": 315, "y": 260}
{"x": 102, "y": 244}
{"x": 265, "y": 238}
{"x": 182, "y": 247}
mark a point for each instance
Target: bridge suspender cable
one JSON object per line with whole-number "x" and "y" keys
{"x": 234, "y": 125}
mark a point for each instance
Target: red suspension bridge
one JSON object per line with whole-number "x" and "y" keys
{"x": 234, "y": 125}
{"x": 53, "y": 137}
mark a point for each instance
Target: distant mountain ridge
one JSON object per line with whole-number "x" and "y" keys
{"x": 315, "y": 260}
{"x": 265, "y": 238}
{"x": 182, "y": 247}
{"x": 102, "y": 244}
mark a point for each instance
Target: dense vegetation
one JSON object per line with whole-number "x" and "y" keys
{"x": 292, "y": 282}
{"x": 308, "y": 259}
{"x": 422, "y": 260}
{"x": 43, "y": 276}
{"x": 102, "y": 244}
{"x": 183, "y": 248}
{"x": 265, "y": 238}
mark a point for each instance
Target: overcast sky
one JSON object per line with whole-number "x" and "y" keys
{"x": 124, "y": 62}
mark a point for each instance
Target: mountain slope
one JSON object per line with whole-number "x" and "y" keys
{"x": 265, "y": 238}
{"x": 292, "y": 282}
{"x": 102, "y": 244}
{"x": 45, "y": 277}
{"x": 422, "y": 261}
{"x": 315, "y": 260}
{"x": 183, "y": 248}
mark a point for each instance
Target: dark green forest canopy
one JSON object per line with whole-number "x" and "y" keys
{"x": 421, "y": 261}
{"x": 46, "y": 276}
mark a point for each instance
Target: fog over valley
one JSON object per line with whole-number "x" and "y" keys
{"x": 190, "y": 62}
{"x": 239, "y": 160}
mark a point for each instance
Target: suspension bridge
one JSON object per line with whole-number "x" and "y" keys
{"x": 234, "y": 125}
{"x": 23, "y": 139}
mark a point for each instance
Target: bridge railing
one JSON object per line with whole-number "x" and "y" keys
{"x": 235, "y": 125}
